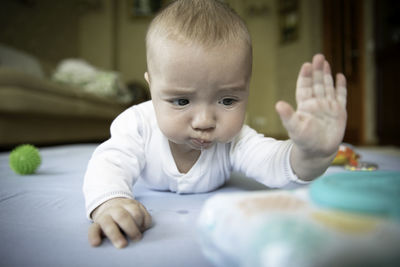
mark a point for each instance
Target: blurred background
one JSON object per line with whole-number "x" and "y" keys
{"x": 41, "y": 95}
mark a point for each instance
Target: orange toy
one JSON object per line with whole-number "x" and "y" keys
{"x": 346, "y": 156}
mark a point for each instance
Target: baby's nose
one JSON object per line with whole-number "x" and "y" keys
{"x": 204, "y": 120}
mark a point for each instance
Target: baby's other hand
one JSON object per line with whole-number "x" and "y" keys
{"x": 317, "y": 126}
{"x": 115, "y": 217}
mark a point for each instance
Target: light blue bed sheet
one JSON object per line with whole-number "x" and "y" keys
{"x": 43, "y": 223}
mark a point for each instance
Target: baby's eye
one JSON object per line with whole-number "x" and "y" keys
{"x": 227, "y": 101}
{"x": 180, "y": 102}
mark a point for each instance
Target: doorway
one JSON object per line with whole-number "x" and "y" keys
{"x": 387, "y": 56}
{"x": 343, "y": 48}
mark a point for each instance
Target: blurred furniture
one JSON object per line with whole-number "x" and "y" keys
{"x": 34, "y": 109}
{"x": 39, "y": 111}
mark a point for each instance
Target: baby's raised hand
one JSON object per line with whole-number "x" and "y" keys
{"x": 317, "y": 126}
{"x": 116, "y": 215}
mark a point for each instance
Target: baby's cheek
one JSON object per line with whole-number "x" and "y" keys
{"x": 231, "y": 126}
{"x": 172, "y": 128}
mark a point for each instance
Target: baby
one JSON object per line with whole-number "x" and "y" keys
{"x": 191, "y": 136}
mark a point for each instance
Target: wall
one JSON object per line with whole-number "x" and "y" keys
{"x": 111, "y": 38}
{"x": 96, "y": 44}
{"x": 369, "y": 100}
{"x": 132, "y": 49}
{"x": 46, "y": 29}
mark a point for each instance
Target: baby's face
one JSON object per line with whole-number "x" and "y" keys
{"x": 199, "y": 95}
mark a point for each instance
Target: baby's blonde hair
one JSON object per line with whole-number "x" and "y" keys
{"x": 201, "y": 22}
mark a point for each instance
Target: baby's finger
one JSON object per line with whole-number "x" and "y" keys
{"x": 94, "y": 234}
{"x": 136, "y": 214}
{"x": 146, "y": 218}
{"x": 328, "y": 81}
{"x": 286, "y": 112}
{"x": 127, "y": 224}
{"x": 318, "y": 76}
{"x": 304, "y": 83}
{"x": 112, "y": 231}
{"x": 341, "y": 91}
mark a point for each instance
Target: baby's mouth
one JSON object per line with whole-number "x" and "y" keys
{"x": 202, "y": 143}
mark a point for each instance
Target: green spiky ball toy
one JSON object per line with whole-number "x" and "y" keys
{"x": 25, "y": 159}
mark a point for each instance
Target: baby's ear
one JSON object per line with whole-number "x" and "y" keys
{"x": 147, "y": 78}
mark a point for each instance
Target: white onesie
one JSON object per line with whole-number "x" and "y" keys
{"x": 138, "y": 149}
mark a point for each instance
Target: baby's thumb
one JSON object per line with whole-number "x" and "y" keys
{"x": 285, "y": 111}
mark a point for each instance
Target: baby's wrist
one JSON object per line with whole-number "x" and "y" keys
{"x": 312, "y": 153}
{"x": 308, "y": 166}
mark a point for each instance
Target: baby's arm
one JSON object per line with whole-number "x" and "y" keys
{"x": 317, "y": 126}
{"x": 116, "y": 217}
{"x": 114, "y": 167}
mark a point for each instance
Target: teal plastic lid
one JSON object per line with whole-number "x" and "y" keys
{"x": 375, "y": 192}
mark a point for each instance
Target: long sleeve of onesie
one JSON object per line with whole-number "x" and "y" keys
{"x": 116, "y": 164}
{"x": 262, "y": 158}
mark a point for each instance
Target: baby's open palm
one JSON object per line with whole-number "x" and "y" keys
{"x": 317, "y": 126}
